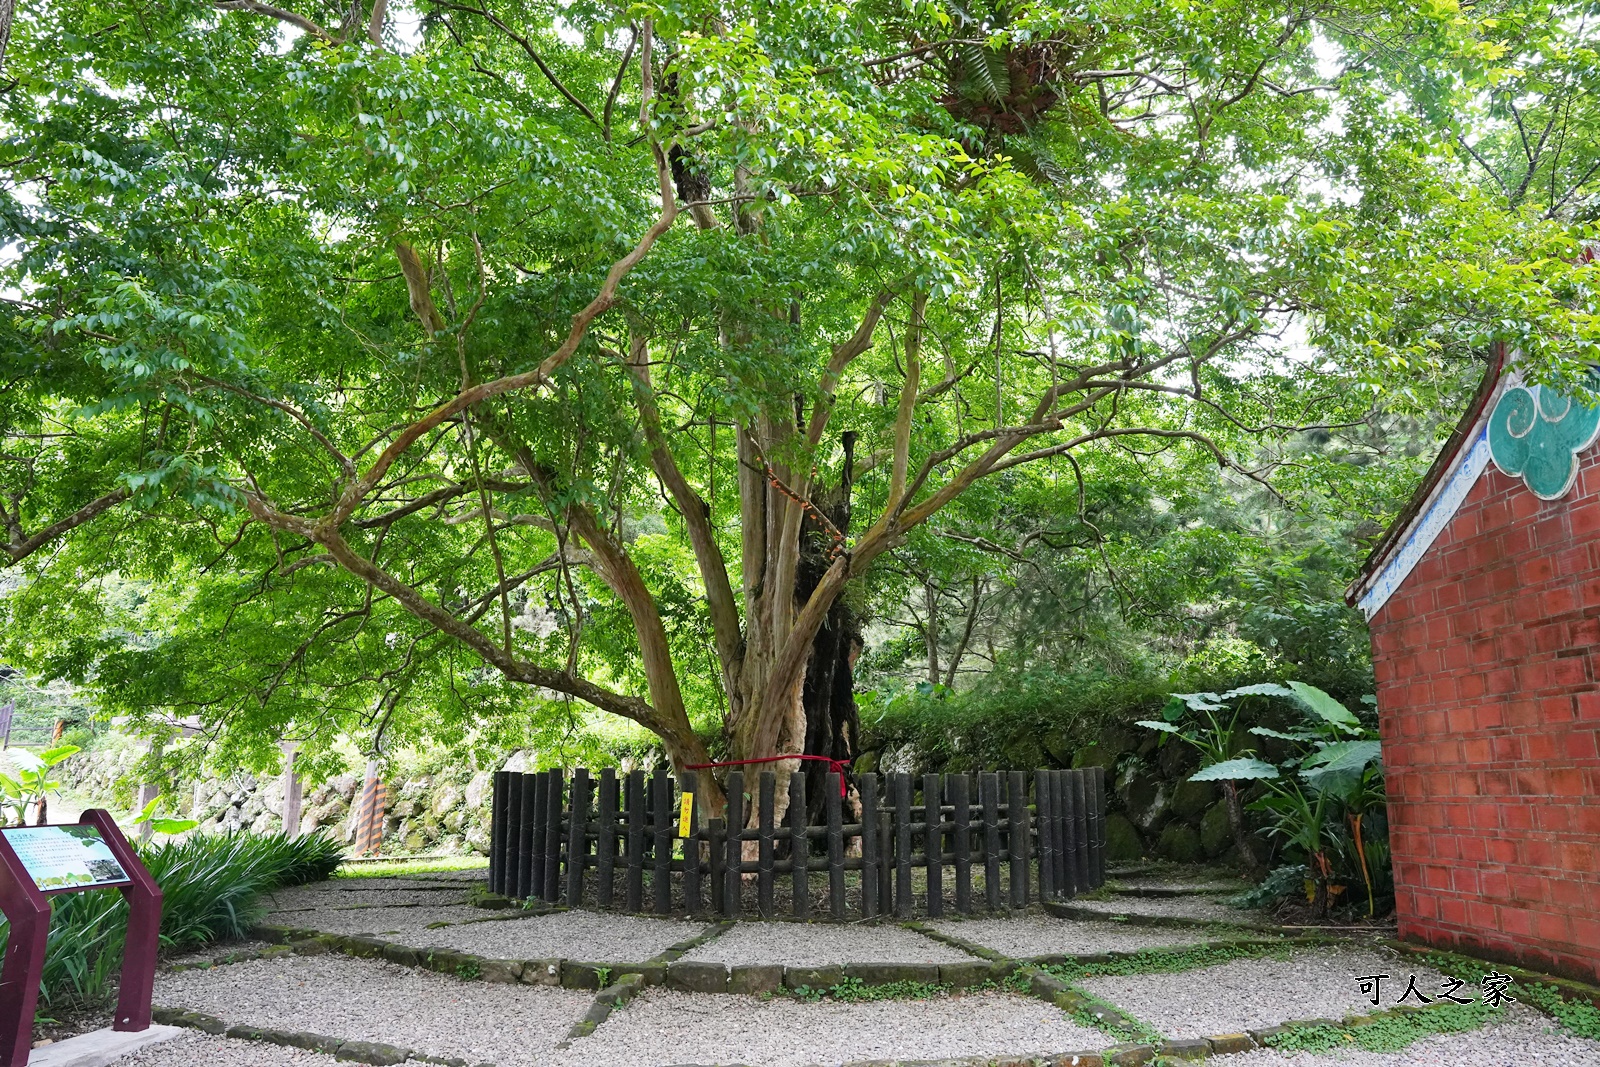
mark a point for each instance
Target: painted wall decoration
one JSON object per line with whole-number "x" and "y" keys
{"x": 1536, "y": 433}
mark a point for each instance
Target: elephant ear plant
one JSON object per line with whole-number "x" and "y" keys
{"x": 1336, "y": 771}
{"x": 1207, "y": 723}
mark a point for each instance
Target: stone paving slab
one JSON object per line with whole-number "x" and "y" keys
{"x": 818, "y": 944}
{"x": 1249, "y": 994}
{"x": 369, "y": 1000}
{"x": 1022, "y": 936}
{"x": 284, "y": 902}
{"x": 407, "y": 921}
{"x": 662, "y": 1027}
{"x": 204, "y": 1050}
{"x": 573, "y": 935}
{"x": 1192, "y": 907}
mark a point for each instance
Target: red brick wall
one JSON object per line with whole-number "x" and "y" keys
{"x": 1490, "y": 708}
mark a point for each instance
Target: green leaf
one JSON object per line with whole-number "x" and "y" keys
{"x": 1338, "y": 768}
{"x": 1261, "y": 689}
{"x": 1164, "y": 727}
{"x": 1265, "y": 731}
{"x": 1324, "y": 706}
{"x": 1243, "y": 769}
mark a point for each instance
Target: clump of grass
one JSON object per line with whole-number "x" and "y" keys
{"x": 851, "y": 990}
{"x": 1168, "y": 960}
{"x": 1386, "y": 1033}
{"x": 386, "y": 868}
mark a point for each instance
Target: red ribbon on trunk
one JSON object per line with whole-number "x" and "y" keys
{"x": 837, "y": 764}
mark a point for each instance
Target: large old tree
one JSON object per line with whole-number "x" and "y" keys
{"x": 411, "y": 355}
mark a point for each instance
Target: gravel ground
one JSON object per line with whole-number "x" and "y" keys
{"x": 193, "y": 1049}
{"x": 1173, "y": 908}
{"x": 375, "y": 920}
{"x": 1525, "y": 1039}
{"x": 815, "y": 944}
{"x": 1184, "y": 885}
{"x": 663, "y": 1027}
{"x": 367, "y": 1000}
{"x": 1319, "y": 983}
{"x": 1042, "y": 935}
{"x": 573, "y": 935}
{"x": 295, "y": 899}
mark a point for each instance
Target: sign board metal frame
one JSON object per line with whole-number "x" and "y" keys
{"x": 27, "y": 908}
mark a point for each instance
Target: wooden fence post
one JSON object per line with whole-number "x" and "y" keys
{"x": 514, "y": 838}
{"x": 531, "y": 837}
{"x": 867, "y": 787}
{"x": 1018, "y": 836}
{"x": 902, "y": 845}
{"x": 690, "y": 786}
{"x": 635, "y": 798}
{"x": 733, "y": 882}
{"x": 499, "y": 805}
{"x": 989, "y": 794}
{"x": 1080, "y": 830}
{"x": 662, "y": 824}
{"x": 933, "y": 843}
{"x": 833, "y": 783}
{"x": 958, "y": 787}
{"x": 766, "y": 805}
{"x": 605, "y": 842}
{"x": 799, "y": 846}
{"x": 578, "y": 837}
{"x": 555, "y": 795}
{"x": 1045, "y": 809}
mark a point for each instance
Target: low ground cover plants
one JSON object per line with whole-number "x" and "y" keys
{"x": 211, "y": 887}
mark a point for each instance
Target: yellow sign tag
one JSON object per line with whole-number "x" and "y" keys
{"x": 686, "y": 815}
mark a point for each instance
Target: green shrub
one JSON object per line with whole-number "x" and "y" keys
{"x": 210, "y": 886}
{"x": 1010, "y": 723}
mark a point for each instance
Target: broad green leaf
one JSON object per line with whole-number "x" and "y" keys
{"x": 1241, "y": 769}
{"x": 1324, "y": 706}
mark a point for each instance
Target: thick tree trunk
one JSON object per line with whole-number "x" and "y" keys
{"x": 832, "y": 724}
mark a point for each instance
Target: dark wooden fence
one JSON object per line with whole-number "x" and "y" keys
{"x": 1004, "y": 839}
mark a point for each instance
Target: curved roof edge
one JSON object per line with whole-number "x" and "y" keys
{"x": 1453, "y": 473}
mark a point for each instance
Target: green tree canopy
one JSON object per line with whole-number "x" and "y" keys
{"x": 449, "y": 350}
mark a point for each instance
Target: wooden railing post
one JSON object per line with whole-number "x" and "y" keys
{"x": 766, "y": 805}
{"x": 867, "y": 788}
{"x": 989, "y": 797}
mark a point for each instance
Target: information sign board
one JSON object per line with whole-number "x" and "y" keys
{"x": 65, "y": 857}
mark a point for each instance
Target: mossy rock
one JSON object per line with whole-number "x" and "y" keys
{"x": 1023, "y": 752}
{"x": 1145, "y": 798}
{"x": 1119, "y": 741}
{"x": 1215, "y": 833}
{"x": 1180, "y": 843}
{"x": 1092, "y": 756}
{"x": 1191, "y": 799}
{"x": 1123, "y": 844}
{"x": 1060, "y": 745}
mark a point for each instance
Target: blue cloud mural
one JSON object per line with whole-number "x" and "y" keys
{"x": 1536, "y": 433}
